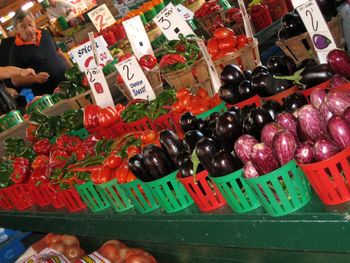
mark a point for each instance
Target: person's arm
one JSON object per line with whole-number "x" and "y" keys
{"x": 67, "y": 60}
{"x": 21, "y": 81}
{"x": 13, "y": 72}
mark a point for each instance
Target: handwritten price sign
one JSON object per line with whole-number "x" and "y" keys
{"x": 84, "y": 57}
{"x": 101, "y": 17}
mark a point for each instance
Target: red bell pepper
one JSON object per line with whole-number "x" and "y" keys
{"x": 21, "y": 169}
{"x": 42, "y": 146}
{"x": 148, "y": 61}
{"x": 171, "y": 59}
{"x": 30, "y": 132}
{"x": 108, "y": 116}
{"x": 58, "y": 159}
{"x": 38, "y": 176}
{"x": 103, "y": 175}
{"x": 124, "y": 57}
{"x": 40, "y": 161}
{"x": 68, "y": 143}
{"x": 119, "y": 108}
{"x": 91, "y": 116}
{"x": 113, "y": 161}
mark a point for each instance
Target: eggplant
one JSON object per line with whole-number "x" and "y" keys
{"x": 245, "y": 90}
{"x": 171, "y": 145}
{"x": 137, "y": 166}
{"x": 313, "y": 76}
{"x": 339, "y": 61}
{"x": 186, "y": 169}
{"x": 183, "y": 157}
{"x": 293, "y": 24}
{"x": 191, "y": 138}
{"x": 317, "y": 96}
{"x": 294, "y": 101}
{"x": 283, "y": 34}
{"x": 232, "y": 74}
{"x": 337, "y": 80}
{"x": 244, "y": 147}
{"x": 206, "y": 148}
{"x": 326, "y": 114}
{"x": 337, "y": 101}
{"x": 304, "y": 154}
{"x": 210, "y": 131}
{"x": 292, "y": 67}
{"x": 284, "y": 146}
{"x": 248, "y": 74}
{"x": 202, "y": 125}
{"x": 249, "y": 170}
{"x": 288, "y": 121}
{"x": 156, "y": 162}
{"x": 235, "y": 110}
{"x": 214, "y": 116}
{"x": 325, "y": 149}
{"x": 260, "y": 69}
{"x": 228, "y": 129}
{"x": 255, "y": 121}
{"x": 339, "y": 131}
{"x": 229, "y": 93}
{"x": 346, "y": 115}
{"x": 269, "y": 131}
{"x": 328, "y": 8}
{"x": 264, "y": 159}
{"x": 278, "y": 66}
{"x": 272, "y": 107}
{"x": 188, "y": 122}
{"x": 268, "y": 85}
{"x": 224, "y": 163}
{"x": 307, "y": 63}
{"x": 245, "y": 111}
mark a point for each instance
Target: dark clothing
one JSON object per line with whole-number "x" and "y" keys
{"x": 5, "y": 47}
{"x": 42, "y": 57}
{"x": 7, "y": 102}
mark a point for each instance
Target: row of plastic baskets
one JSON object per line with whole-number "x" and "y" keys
{"x": 255, "y": 100}
{"x": 41, "y": 104}
{"x": 10, "y": 119}
{"x": 219, "y": 108}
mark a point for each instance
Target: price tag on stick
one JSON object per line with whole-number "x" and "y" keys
{"x": 247, "y": 25}
{"x": 135, "y": 79}
{"x": 215, "y": 80}
{"x": 171, "y": 23}
{"x": 101, "y": 17}
{"x": 137, "y": 37}
{"x": 317, "y": 28}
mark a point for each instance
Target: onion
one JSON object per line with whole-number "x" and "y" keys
{"x": 244, "y": 147}
{"x": 325, "y": 149}
{"x": 68, "y": 240}
{"x": 288, "y": 121}
{"x": 317, "y": 96}
{"x": 339, "y": 131}
{"x": 337, "y": 101}
{"x": 269, "y": 131}
{"x": 325, "y": 112}
{"x": 304, "y": 154}
{"x": 73, "y": 252}
{"x": 249, "y": 170}
{"x": 59, "y": 247}
{"x": 284, "y": 145}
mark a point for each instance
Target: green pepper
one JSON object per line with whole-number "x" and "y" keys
{"x": 75, "y": 90}
{"x": 25, "y": 152}
{"x": 37, "y": 117}
{"x": 6, "y": 170}
{"x": 11, "y": 145}
{"x": 44, "y": 130}
{"x": 73, "y": 74}
{"x": 73, "y": 119}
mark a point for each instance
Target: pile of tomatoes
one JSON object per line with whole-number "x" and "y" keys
{"x": 225, "y": 42}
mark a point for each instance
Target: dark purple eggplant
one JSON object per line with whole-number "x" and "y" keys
{"x": 244, "y": 147}
{"x": 288, "y": 121}
{"x": 264, "y": 159}
{"x": 248, "y": 74}
{"x": 268, "y": 85}
{"x": 156, "y": 162}
{"x": 206, "y": 148}
{"x": 232, "y": 74}
{"x": 214, "y": 116}
{"x": 186, "y": 169}
{"x": 284, "y": 145}
{"x": 292, "y": 67}
{"x": 171, "y": 145}
{"x": 202, "y": 125}
{"x": 249, "y": 170}
{"x": 183, "y": 157}
{"x": 229, "y": 93}
{"x": 255, "y": 121}
{"x": 188, "y": 122}
{"x": 294, "y": 101}
{"x": 245, "y": 90}
{"x": 307, "y": 63}
{"x": 304, "y": 154}
{"x": 283, "y": 34}
{"x": 337, "y": 101}
{"x": 328, "y": 8}
{"x": 191, "y": 138}
{"x": 293, "y": 24}
{"x": 224, "y": 163}
{"x": 228, "y": 129}
{"x": 325, "y": 149}
{"x": 269, "y": 131}
{"x": 339, "y": 130}
{"x": 317, "y": 96}
{"x": 260, "y": 69}
{"x": 277, "y": 66}
{"x": 210, "y": 131}
{"x": 235, "y": 110}
{"x": 272, "y": 107}
{"x": 313, "y": 76}
{"x": 245, "y": 111}
{"x": 137, "y": 165}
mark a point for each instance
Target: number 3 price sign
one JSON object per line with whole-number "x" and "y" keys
{"x": 135, "y": 79}
{"x": 99, "y": 87}
{"x": 170, "y": 21}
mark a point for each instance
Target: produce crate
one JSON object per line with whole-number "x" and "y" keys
{"x": 10, "y": 120}
{"x": 167, "y": 121}
{"x": 280, "y": 97}
{"x": 219, "y": 108}
{"x": 256, "y": 100}
{"x": 82, "y": 100}
{"x": 207, "y": 22}
{"x": 247, "y": 57}
{"x": 261, "y": 19}
{"x": 41, "y": 198}
{"x": 71, "y": 200}
{"x": 20, "y": 196}
{"x": 41, "y": 104}
{"x": 52, "y": 193}
{"x": 5, "y": 201}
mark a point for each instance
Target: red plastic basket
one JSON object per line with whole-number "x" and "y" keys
{"x": 203, "y": 192}
{"x": 167, "y": 121}
{"x": 52, "y": 193}
{"x": 331, "y": 178}
{"x": 141, "y": 125}
{"x": 261, "y": 19}
{"x": 253, "y": 100}
{"x": 20, "y": 196}
{"x": 5, "y": 202}
{"x": 71, "y": 200}
{"x": 344, "y": 87}
{"x": 280, "y": 97}
{"x": 42, "y": 198}
{"x": 307, "y": 92}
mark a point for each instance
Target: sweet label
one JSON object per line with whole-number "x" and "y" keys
{"x": 101, "y": 17}
{"x": 172, "y": 23}
{"x": 135, "y": 79}
{"x": 137, "y": 37}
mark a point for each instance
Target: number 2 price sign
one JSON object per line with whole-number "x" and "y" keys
{"x": 317, "y": 27}
{"x": 101, "y": 17}
{"x": 171, "y": 23}
{"x": 99, "y": 87}
{"x": 135, "y": 79}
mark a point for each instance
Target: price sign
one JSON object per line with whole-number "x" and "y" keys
{"x": 247, "y": 25}
{"x": 137, "y": 37}
{"x": 170, "y": 21}
{"x": 317, "y": 28}
{"x": 99, "y": 87}
{"x": 215, "y": 80}
{"x": 101, "y": 17}
{"x": 84, "y": 57}
{"x": 135, "y": 79}
{"x": 186, "y": 13}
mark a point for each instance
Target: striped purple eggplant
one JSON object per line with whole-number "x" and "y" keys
{"x": 339, "y": 130}
{"x": 287, "y": 121}
{"x": 284, "y": 145}
{"x": 244, "y": 147}
{"x": 264, "y": 158}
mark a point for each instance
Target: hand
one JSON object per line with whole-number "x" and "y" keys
{"x": 42, "y": 77}
{"x": 26, "y": 72}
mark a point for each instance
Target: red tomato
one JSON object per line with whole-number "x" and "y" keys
{"x": 227, "y": 43}
{"x": 185, "y": 101}
{"x": 176, "y": 107}
{"x": 132, "y": 150}
{"x": 241, "y": 39}
{"x": 213, "y": 46}
{"x": 202, "y": 93}
{"x": 113, "y": 161}
{"x": 223, "y": 32}
{"x": 241, "y": 45}
{"x": 197, "y": 108}
{"x": 182, "y": 92}
{"x": 148, "y": 136}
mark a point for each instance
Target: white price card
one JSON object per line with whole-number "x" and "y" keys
{"x": 247, "y": 24}
{"x": 101, "y": 17}
{"x": 99, "y": 87}
{"x": 215, "y": 80}
{"x": 170, "y": 21}
{"x": 186, "y": 13}
{"x": 84, "y": 57}
{"x": 137, "y": 37}
{"x": 317, "y": 28}
{"x": 135, "y": 79}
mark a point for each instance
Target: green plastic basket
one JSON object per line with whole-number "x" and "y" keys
{"x": 219, "y": 108}
{"x": 10, "y": 119}
{"x": 56, "y": 98}
{"x": 144, "y": 201}
{"x": 143, "y": 19}
{"x": 115, "y": 195}
{"x": 282, "y": 191}
{"x": 110, "y": 68}
{"x": 170, "y": 193}
{"x": 92, "y": 197}
{"x": 41, "y": 104}
{"x": 241, "y": 200}
{"x": 150, "y": 14}
{"x": 159, "y": 7}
